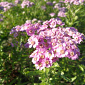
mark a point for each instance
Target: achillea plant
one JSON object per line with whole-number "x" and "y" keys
{"x": 26, "y": 3}
{"x": 17, "y": 1}
{"x": 51, "y": 41}
{"x": 75, "y": 2}
{"x": 6, "y": 5}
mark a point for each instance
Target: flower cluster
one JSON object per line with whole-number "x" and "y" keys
{"x": 43, "y": 7}
{"x": 75, "y": 2}
{"x": 61, "y": 14}
{"x": 17, "y": 1}
{"x": 15, "y": 30}
{"x": 62, "y": 10}
{"x": 51, "y": 40}
{"x": 21, "y": 30}
{"x": 6, "y": 5}
{"x": 49, "y": 3}
{"x": 26, "y": 3}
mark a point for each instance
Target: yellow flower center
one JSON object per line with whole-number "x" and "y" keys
{"x": 41, "y": 46}
{"x": 42, "y": 56}
{"x": 75, "y": 46}
{"x": 32, "y": 42}
{"x": 53, "y": 44}
{"x": 59, "y": 41}
{"x": 71, "y": 53}
{"x": 54, "y": 52}
{"x": 62, "y": 52}
{"x": 76, "y": 39}
{"x": 40, "y": 64}
{"x": 47, "y": 62}
{"x": 30, "y": 31}
{"x": 68, "y": 47}
{"x": 50, "y": 54}
{"x": 35, "y": 59}
{"x": 46, "y": 44}
{"x": 60, "y": 45}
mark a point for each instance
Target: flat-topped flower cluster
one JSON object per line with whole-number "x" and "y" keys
{"x": 52, "y": 41}
{"x": 26, "y": 3}
{"x": 75, "y": 2}
{"x": 17, "y": 1}
{"x": 6, "y": 5}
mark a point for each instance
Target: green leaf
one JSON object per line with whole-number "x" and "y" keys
{"x": 64, "y": 77}
{"x": 56, "y": 64}
{"x": 77, "y": 10}
{"x": 81, "y": 67}
{"x": 62, "y": 73}
{"x": 76, "y": 17}
{"x": 43, "y": 83}
{"x": 72, "y": 79}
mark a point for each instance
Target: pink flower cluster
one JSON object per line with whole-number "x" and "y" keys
{"x": 51, "y": 41}
{"x": 6, "y": 5}
{"x": 26, "y": 3}
{"x": 43, "y": 7}
{"x": 49, "y": 3}
{"x": 75, "y": 2}
{"x": 62, "y": 10}
{"x": 15, "y": 30}
{"x": 61, "y": 14}
{"x": 17, "y": 1}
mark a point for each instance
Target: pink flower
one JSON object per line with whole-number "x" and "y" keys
{"x": 53, "y": 24}
{"x": 18, "y": 28}
{"x": 40, "y": 65}
{"x": 43, "y": 7}
{"x": 61, "y": 14}
{"x": 15, "y": 34}
{"x": 50, "y": 3}
{"x": 52, "y": 14}
{"x": 33, "y": 41}
{"x": 30, "y": 30}
{"x": 35, "y": 59}
{"x": 47, "y": 62}
{"x": 56, "y": 6}
{"x": 54, "y": 2}
{"x": 17, "y": 1}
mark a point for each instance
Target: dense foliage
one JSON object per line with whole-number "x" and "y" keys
{"x": 20, "y": 40}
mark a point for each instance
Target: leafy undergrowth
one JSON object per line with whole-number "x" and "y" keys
{"x": 16, "y": 67}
